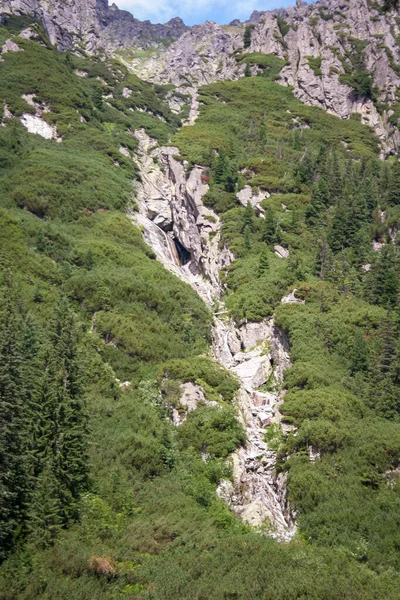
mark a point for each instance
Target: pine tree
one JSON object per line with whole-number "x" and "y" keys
{"x": 69, "y": 420}
{"x": 43, "y": 410}
{"x": 263, "y": 136}
{"x": 13, "y": 463}
{"x": 333, "y": 177}
{"x": 45, "y": 513}
{"x": 359, "y": 359}
{"x": 247, "y": 71}
{"x": 319, "y": 202}
{"x": 384, "y": 392}
{"x": 383, "y": 280}
{"x": 270, "y": 227}
{"x": 324, "y": 261}
{"x": 393, "y": 192}
{"x": 221, "y": 167}
{"x": 248, "y": 217}
{"x": 263, "y": 265}
{"x": 247, "y": 237}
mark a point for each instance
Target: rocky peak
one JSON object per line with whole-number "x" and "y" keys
{"x": 323, "y": 45}
{"x": 100, "y": 25}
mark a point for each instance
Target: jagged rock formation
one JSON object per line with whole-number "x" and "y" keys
{"x": 94, "y": 23}
{"x": 185, "y": 236}
{"x": 325, "y": 32}
{"x": 183, "y": 232}
{"x": 258, "y": 494}
{"x": 315, "y": 40}
{"x": 317, "y": 46}
{"x": 202, "y": 55}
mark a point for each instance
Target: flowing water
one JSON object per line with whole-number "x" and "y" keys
{"x": 175, "y": 223}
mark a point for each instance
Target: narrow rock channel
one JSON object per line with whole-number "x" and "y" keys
{"x": 185, "y": 235}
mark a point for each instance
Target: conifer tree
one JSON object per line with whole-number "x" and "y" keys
{"x": 221, "y": 167}
{"x": 263, "y": 265}
{"x": 319, "y": 202}
{"x": 270, "y": 227}
{"x": 13, "y": 464}
{"x": 248, "y": 217}
{"x": 324, "y": 261}
{"x": 359, "y": 359}
{"x": 384, "y": 391}
{"x": 393, "y": 192}
{"x": 383, "y": 280}
{"x": 69, "y": 420}
{"x": 333, "y": 177}
{"x": 45, "y": 513}
{"x": 247, "y": 237}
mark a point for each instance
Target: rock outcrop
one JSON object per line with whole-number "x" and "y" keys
{"x": 317, "y": 41}
{"x": 94, "y": 23}
{"x": 258, "y": 494}
{"x": 185, "y": 236}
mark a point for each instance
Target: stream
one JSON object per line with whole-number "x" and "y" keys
{"x": 185, "y": 236}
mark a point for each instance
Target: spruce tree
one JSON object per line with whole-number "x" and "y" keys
{"x": 384, "y": 392}
{"x": 221, "y": 167}
{"x": 13, "y": 431}
{"x": 69, "y": 420}
{"x": 263, "y": 265}
{"x": 383, "y": 280}
{"x": 270, "y": 227}
{"x": 45, "y": 512}
{"x": 393, "y": 192}
{"x": 247, "y": 237}
{"x": 248, "y": 217}
{"x": 319, "y": 202}
{"x": 359, "y": 359}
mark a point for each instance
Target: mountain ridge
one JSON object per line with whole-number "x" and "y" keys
{"x": 340, "y": 55}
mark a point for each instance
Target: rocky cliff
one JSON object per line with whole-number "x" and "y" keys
{"x": 93, "y": 23}
{"x": 341, "y": 55}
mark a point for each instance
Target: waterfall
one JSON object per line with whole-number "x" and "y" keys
{"x": 170, "y": 208}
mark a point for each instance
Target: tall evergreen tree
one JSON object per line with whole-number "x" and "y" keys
{"x": 69, "y": 421}
{"x": 359, "y": 359}
{"x": 13, "y": 464}
{"x": 384, "y": 390}
{"x": 319, "y": 202}
{"x": 383, "y": 282}
{"x": 393, "y": 192}
{"x": 45, "y": 512}
{"x": 248, "y": 217}
{"x": 247, "y": 237}
{"x": 269, "y": 233}
{"x": 263, "y": 265}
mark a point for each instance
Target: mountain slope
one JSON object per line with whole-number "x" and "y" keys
{"x": 141, "y": 468}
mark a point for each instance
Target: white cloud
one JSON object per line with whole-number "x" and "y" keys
{"x": 223, "y": 11}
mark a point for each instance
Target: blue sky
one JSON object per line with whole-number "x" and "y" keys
{"x": 197, "y": 11}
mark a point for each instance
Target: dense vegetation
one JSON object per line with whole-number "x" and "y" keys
{"x": 102, "y": 496}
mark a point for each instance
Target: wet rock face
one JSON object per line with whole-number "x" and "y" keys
{"x": 171, "y": 208}
{"x": 171, "y": 215}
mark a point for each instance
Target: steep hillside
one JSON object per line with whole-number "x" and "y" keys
{"x": 342, "y": 56}
{"x": 199, "y": 349}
